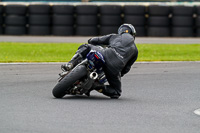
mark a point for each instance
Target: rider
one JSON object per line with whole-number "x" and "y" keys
{"x": 120, "y": 53}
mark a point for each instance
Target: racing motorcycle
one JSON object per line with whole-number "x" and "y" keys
{"x": 82, "y": 77}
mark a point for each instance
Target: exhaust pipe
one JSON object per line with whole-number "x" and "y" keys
{"x": 88, "y": 84}
{"x": 94, "y": 75}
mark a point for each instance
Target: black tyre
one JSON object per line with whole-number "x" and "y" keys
{"x": 183, "y": 10}
{"x": 104, "y": 30}
{"x": 1, "y": 14}
{"x": 86, "y": 30}
{"x": 87, "y": 9}
{"x": 1, "y": 9}
{"x": 158, "y": 21}
{"x": 87, "y": 20}
{"x": 59, "y": 19}
{"x": 155, "y": 10}
{"x": 111, "y": 20}
{"x": 110, "y": 9}
{"x": 38, "y": 30}
{"x": 15, "y": 20}
{"x": 135, "y": 20}
{"x": 197, "y": 22}
{"x": 134, "y": 10}
{"x": 16, "y": 9}
{"x": 198, "y": 32}
{"x": 63, "y": 9}
{"x": 1, "y": 30}
{"x": 140, "y": 31}
{"x": 182, "y": 21}
{"x": 158, "y": 32}
{"x": 1, "y": 19}
{"x": 39, "y": 19}
{"x": 182, "y": 32}
{"x": 39, "y": 9}
{"x": 15, "y": 30}
{"x": 62, "y": 30}
{"x": 197, "y": 10}
{"x": 64, "y": 85}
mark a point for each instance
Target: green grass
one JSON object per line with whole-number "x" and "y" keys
{"x": 37, "y": 52}
{"x": 62, "y": 52}
{"x": 169, "y": 52}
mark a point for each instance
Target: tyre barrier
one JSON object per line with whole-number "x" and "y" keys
{"x": 197, "y": 21}
{"x": 39, "y": 19}
{"x": 1, "y": 19}
{"x": 15, "y": 19}
{"x": 158, "y": 21}
{"x": 182, "y": 21}
{"x": 93, "y": 20}
{"x": 135, "y": 15}
{"x": 110, "y": 18}
{"x": 87, "y": 20}
{"x": 63, "y": 20}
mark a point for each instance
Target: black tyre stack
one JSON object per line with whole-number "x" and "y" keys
{"x": 110, "y": 18}
{"x": 63, "y": 20}
{"x": 197, "y": 21}
{"x": 1, "y": 19}
{"x": 15, "y": 19}
{"x": 158, "y": 21}
{"x": 182, "y": 21}
{"x": 87, "y": 20}
{"x": 39, "y": 20}
{"x": 135, "y": 15}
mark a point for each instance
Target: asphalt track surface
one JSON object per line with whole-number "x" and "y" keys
{"x": 157, "y": 98}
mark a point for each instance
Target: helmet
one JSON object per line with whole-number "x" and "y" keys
{"x": 127, "y": 28}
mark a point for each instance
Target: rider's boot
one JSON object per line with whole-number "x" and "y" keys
{"x": 94, "y": 87}
{"x": 72, "y": 63}
{"x": 106, "y": 91}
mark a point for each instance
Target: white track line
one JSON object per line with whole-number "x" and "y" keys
{"x": 197, "y": 111}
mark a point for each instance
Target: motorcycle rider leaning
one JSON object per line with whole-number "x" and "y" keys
{"x": 120, "y": 53}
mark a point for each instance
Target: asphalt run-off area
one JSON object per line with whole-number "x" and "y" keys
{"x": 72, "y": 39}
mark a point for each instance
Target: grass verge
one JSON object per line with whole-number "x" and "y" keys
{"x": 62, "y": 52}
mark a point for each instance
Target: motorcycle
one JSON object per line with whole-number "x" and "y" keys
{"x": 82, "y": 77}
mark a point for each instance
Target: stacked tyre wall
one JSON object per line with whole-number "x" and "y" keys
{"x": 110, "y": 18}
{"x": 39, "y": 20}
{"x": 135, "y": 15}
{"x": 15, "y": 20}
{"x": 182, "y": 21}
{"x": 197, "y": 22}
{"x": 63, "y": 20}
{"x": 158, "y": 21}
{"x": 1, "y": 19}
{"x": 87, "y": 20}
{"x": 94, "y": 20}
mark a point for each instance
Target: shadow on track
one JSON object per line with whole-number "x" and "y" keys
{"x": 94, "y": 98}
{"x": 76, "y": 97}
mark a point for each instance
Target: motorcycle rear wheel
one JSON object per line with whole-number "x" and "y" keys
{"x": 65, "y": 84}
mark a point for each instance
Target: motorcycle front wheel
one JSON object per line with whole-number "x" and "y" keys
{"x": 64, "y": 85}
